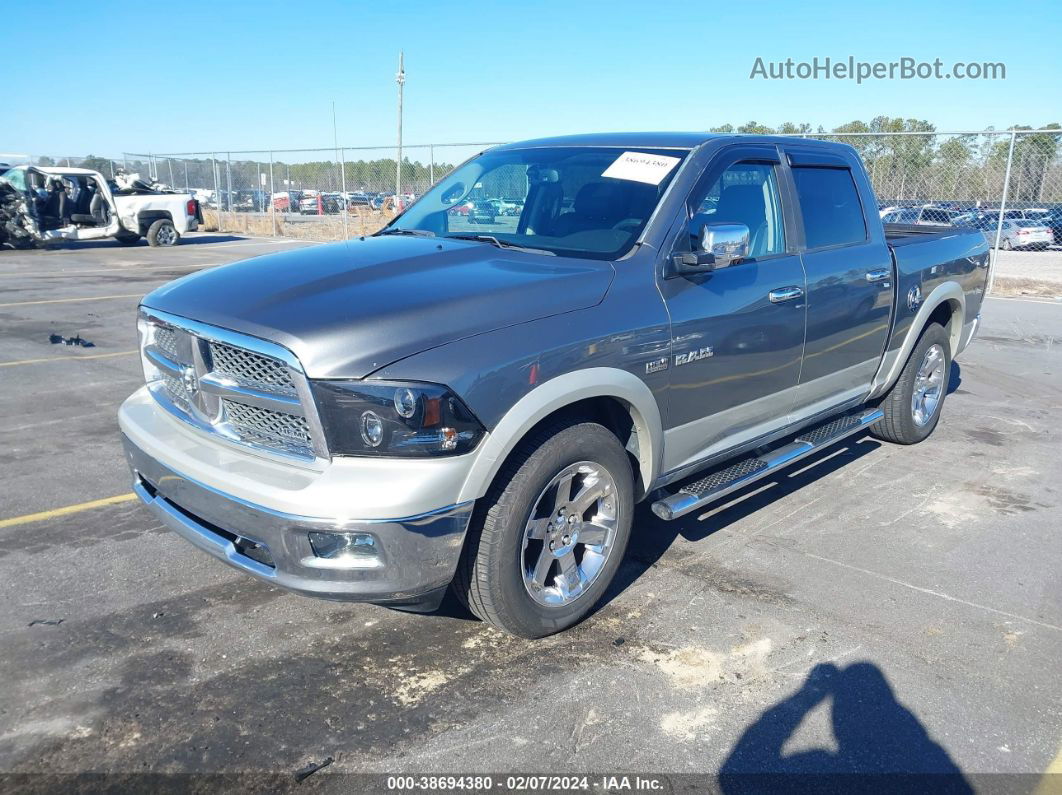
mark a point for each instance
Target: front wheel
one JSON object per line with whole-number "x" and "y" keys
{"x": 550, "y": 534}
{"x": 162, "y": 233}
{"x": 913, "y": 405}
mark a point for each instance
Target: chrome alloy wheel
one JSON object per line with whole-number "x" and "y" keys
{"x": 166, "y": 235}
{"x": 570, "y": 533}
{"x": 928, "y": 386}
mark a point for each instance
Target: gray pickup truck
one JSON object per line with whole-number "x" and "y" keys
{"x": 477, "y": 404}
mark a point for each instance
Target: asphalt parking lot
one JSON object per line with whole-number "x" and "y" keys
{"x": 894, "y": 608}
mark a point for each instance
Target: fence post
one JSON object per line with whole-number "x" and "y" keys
{"x": 1002, "y": 209}
{"x": 228, "y": 186}
{"x": 187, "y": 187}
{"x": 272, "y": 193}
{"x": 169, "y": 163}
{"x": 343, "y": 189}
{"x": 217, "y": 188}
{"x": 431, "y": 164}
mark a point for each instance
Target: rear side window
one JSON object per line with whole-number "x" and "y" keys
{"x": 830, "y": 206}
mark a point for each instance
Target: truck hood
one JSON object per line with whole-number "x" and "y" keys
{"x": 347, "y": 309}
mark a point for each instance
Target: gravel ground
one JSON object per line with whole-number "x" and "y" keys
{"x": 875, "y": 608}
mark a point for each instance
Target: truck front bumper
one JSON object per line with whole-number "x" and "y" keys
{"x": 415, "y": 556}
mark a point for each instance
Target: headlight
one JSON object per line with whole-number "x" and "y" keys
{"x": 145, "y": 331}
{"x": 394, "y": 419}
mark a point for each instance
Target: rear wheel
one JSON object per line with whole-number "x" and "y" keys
{"x": 547, "y": 539}
{"x": 913, "y": 405}
{"x": 162, "y": 233}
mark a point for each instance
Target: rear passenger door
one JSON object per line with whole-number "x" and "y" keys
{"x": 849, "y": 281}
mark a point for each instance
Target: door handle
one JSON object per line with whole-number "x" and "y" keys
{"x": 784, "y": 294}
{"x": 878, "y": 276}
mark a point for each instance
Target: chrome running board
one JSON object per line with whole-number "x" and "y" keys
{"x": 748, "y": 470}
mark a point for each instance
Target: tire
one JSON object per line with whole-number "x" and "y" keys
{"x": 1007, "y": 245}
{"x": 500, "y": 553}
{"x": 906, "y": 420}
{"x": 127, "y": 238}
{"x": 163, "y": 233}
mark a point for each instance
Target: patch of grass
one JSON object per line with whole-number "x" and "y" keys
{"x": 359, "y": 221}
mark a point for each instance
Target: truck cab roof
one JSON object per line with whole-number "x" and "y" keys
{"x": 664, "y": 140}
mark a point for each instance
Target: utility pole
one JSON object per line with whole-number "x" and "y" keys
{"x": 400, "y": 78}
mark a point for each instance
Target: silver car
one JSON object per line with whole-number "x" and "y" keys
{"x": 1025, "y": 233}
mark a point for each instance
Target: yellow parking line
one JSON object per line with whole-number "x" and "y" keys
{"x": 69, "y": 509}
{"x": 66, "y": 358}
{"x": 73, "y": 300}
{"x": 1051, "y": 781}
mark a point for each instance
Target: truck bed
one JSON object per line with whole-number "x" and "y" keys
{"x": 926, "y": 256}
{"x": 905, "y": 234}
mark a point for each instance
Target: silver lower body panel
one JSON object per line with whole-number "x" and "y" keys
{"x": 418, "y": 555}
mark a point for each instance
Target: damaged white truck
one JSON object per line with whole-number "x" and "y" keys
{"x": 43, "y": 205}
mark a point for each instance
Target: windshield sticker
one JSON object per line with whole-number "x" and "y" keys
{"x": 640, "y": 167}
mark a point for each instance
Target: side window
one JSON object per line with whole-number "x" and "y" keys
{"x": 746, "y": 193}
{"x": 830, "y": 206}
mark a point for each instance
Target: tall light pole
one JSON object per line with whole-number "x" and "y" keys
{"x": 400, "y": 78}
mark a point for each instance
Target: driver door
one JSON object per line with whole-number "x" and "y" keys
{"x": 737, "y": 332}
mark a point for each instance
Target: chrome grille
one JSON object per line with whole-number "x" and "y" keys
{"x": 252, "y": 369}
{"x": 269, "y": 428}
{"x": 176, "y": 392}
{"x": 244, "y": 395}
{"x": 166, "y": 341}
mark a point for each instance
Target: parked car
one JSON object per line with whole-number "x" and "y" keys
{"x": 1029, "y": 213}
{"x": 484, "y": 211}
{"x": 385, "y": 418}
{"x": 927, "y": 216}
{"x": 53, "y": 203}
{"x": 309, "y": 204}
{"x": 287, "y": 201}
{"x": 1053, "y": 221}
{"x": 1020, "y": 233}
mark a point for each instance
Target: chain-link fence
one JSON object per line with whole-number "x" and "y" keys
{"x": 1008, "y": 184}
{"x": 314, "y": 194}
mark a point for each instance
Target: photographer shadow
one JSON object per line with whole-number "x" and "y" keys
{"x": 881, "y": 745}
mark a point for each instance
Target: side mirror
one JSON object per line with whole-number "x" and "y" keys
{"x": 718, "y": 246}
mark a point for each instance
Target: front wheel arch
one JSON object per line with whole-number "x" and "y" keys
{"x": 594, "y": 394}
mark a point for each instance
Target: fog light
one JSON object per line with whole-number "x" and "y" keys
{"x": 349, "y": 549}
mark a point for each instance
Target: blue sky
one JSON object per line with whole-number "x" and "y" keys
{"x": 106, "y": 77}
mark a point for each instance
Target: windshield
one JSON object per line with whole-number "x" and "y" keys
{"x": 579, "y": 201}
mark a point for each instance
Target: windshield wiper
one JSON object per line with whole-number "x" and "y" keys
{"x": 414, "y": 232}
{"x": 494, "y": 241}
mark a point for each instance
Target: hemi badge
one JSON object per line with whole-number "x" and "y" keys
{"x": 656, "y": 365}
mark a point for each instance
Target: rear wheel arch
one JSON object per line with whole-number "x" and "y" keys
{"x": 945, "y": 305}
{"x": 146, "y": 218}
{"x": 613, "y": 398}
